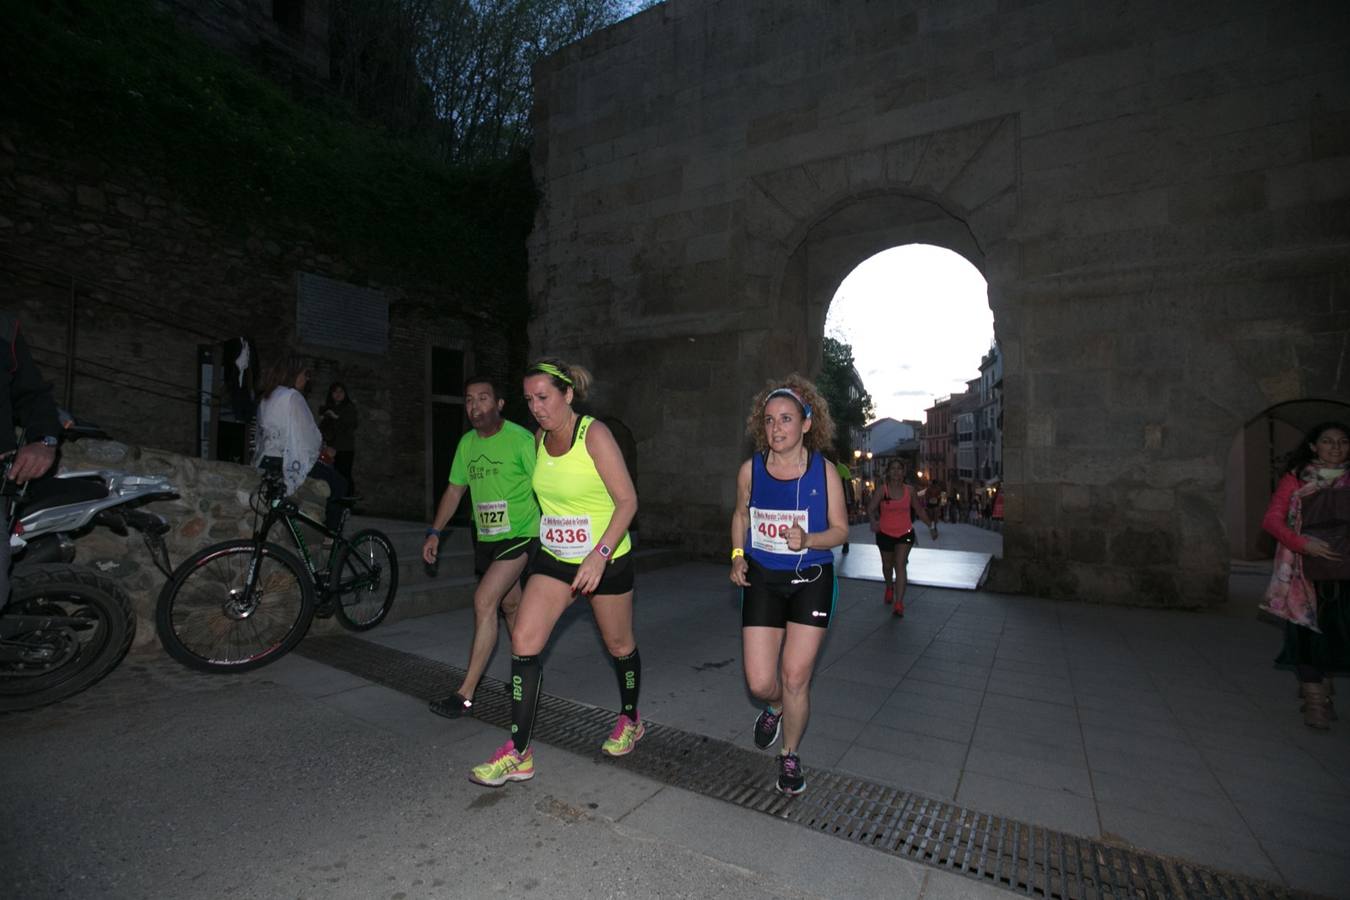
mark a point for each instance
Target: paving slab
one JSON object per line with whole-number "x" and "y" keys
{"x": 1221, "y": 784}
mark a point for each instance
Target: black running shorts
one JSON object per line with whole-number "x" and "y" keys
{"x": 772, "y": 600}
{"x": 618, "y": 577}
{"x": 886, "y": 543}
{"x": 485, "y": 553}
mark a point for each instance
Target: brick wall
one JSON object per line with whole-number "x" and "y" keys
{"x": 152, "y": 278}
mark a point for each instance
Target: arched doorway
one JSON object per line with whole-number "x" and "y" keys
{"x": 857, "y": 229}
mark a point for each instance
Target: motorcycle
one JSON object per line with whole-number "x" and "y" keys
{"x": 65, "y": 625}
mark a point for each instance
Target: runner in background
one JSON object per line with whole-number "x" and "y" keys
{"x": 494, "y": 462}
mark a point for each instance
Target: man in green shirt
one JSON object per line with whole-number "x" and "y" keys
{"x": 494, "y": 462}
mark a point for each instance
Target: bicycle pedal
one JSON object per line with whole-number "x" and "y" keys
{"x": 325, "y": 612}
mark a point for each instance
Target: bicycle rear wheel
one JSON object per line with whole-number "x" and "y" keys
{"x": 364, "y": 580}
{"x": 220, "y": 614}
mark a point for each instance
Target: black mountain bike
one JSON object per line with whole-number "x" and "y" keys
{"x": 241, "y": 604}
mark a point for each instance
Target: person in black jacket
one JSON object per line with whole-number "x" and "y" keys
{"x": 337, "y": 422}
{"x": 25, "y": 399}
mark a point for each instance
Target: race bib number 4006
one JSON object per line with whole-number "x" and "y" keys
{"x": 769, "y": 528}
{"x": 492, "y": 518}
{"x": 566, "y": 537}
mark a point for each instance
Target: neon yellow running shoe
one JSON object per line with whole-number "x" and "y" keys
{"x": 505, "y": 765}
{"x": 626, "y": 733}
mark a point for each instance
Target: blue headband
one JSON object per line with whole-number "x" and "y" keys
{"x": 789, "y": 392}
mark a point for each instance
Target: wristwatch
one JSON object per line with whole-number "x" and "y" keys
{"x": 50, "y": 440}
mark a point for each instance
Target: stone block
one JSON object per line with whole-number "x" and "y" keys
{"x": 1215, "y": 198}
{"x": 1040, "y": 429}
{"x": 1136, "y": 547}
{"x": 781, "y": 124}
{"x": 1318, "y": 182}
{"x": 130, "y": 208}
{"x": 42, "y": 188}
{"x": 1234, "y": 41}
{"x": 1074, "y": 498}
{"x": 1087, "y": 545}
{"x": 90, "y": 197}
{"x": 1152, "y": 500}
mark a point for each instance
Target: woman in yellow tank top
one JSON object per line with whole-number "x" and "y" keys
{"x": 587, "y": 500}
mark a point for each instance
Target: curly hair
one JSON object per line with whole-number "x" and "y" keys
{"x": 821, "y": 435}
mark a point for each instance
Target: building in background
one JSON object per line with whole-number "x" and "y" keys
{"x": 989, "y": 420}
{"x": 283, "y": 37}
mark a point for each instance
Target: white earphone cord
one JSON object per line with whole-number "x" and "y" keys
{"x": 797, "y": 504}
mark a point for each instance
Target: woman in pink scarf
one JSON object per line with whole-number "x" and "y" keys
{"x": 1310, "y": 586}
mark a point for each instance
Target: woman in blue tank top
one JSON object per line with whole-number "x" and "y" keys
{"x": 789, "y": 515}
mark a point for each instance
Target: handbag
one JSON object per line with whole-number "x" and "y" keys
{"x": 1326, "y": 515}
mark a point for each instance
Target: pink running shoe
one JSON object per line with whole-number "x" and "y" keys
{"x": 626, "y": 733}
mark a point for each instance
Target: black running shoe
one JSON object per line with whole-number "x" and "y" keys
{"x": 791, "y": 781}
{"x": 767, "y": 728}
{"x": 451, "y": 707}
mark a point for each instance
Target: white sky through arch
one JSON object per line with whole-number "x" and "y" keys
{"x": 919, "y": 321}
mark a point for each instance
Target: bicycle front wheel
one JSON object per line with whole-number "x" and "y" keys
{"x": 364, "y": 580}
{"x": 235, "y": 606}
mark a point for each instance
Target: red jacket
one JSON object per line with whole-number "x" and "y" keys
{"x": 1276, "y": 518}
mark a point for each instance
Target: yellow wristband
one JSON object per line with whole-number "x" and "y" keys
{"x": 737, "y": 552}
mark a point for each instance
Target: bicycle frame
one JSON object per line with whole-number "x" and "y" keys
{"x": 288, "y": 511}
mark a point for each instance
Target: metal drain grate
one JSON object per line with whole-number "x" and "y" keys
{"x": 999, "y": 851}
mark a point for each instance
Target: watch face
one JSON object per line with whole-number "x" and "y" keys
{"x": 49, "y": 441}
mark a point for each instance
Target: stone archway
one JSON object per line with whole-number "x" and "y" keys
{"x": 1165, "y": 248}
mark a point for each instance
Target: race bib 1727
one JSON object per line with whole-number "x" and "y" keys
{"x": 492, "y": 518}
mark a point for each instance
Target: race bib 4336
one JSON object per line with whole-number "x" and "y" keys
{"x": 566, "y": 537}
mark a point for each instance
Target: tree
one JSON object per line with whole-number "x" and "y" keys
{"x": 457, "y": 72}
{"x": 850, "y": 403}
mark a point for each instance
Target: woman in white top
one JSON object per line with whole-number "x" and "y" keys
{"x": 286, "y": 429}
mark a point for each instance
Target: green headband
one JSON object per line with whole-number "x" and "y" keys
{"x": 551, "y": 369}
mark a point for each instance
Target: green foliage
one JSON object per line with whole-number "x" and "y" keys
{"x": 457, "y": 73}
{"x": 836, "y": 383}
{"x": 116, "y": 79}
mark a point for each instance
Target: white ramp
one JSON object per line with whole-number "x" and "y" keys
{"x": 960, "y": 569}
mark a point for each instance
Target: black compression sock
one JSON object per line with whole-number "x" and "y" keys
{"x": 527, "y": 677}
{"x": 629, "y": 670}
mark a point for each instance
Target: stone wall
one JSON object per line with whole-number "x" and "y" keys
{"x": 294, "y": 38}
{"x": 213, "y": 505}
{"x": 151, "y": 278}
{"x": 1158, "y": 196}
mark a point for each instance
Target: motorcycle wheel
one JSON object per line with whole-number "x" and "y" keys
{"x": 62, "y": 660}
